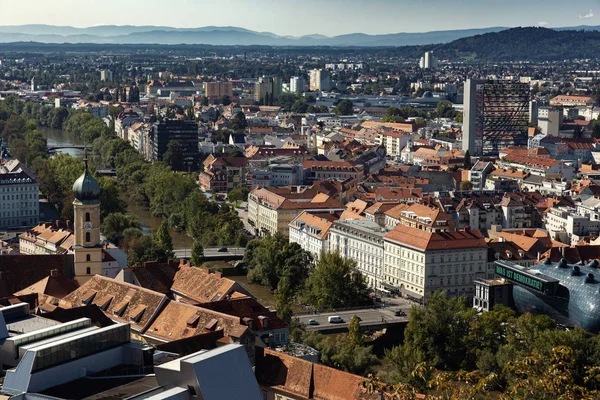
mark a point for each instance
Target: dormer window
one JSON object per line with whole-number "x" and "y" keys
{"x": 120, "y": 308}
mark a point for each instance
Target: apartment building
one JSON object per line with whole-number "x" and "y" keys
{"x": 19, "y": 189}
{"x": 394, "y": 141}
{"x": 535, "y": 165}
{"x": 565, "y": 224}
{"x": 572, "y": 101}
{"x": 216, "y": 90}
{"x": 421, "y": 216}
{"x": 183, "y": 131}
{"x": 322, "y": 170}
{"x": 418, "y": 262}
{"x": 277, "y": 175}
{"x": 362, "y": 241}
{"x": 297, "y": 84}
{"x": 270, "y": 210}
{"x": 496, "y": 115}
{"x": 311, "y": 231}
{"x": 320, "y": 80}
{"x": 223, "y": 174}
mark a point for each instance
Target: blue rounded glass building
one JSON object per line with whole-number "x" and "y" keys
{"x": 570, "y": 294}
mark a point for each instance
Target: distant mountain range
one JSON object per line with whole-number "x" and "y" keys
{"x": 229, "y": 36}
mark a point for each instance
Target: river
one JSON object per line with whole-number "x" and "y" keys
{"x": 150, "y": 223}
{"x": 57, "y": 137}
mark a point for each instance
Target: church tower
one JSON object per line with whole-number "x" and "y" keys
{"x": 87, "y": 247}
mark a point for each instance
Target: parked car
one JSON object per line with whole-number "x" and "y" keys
{"x": 222, "y": 250}
{"x": 335, "y": 319}
{"x": 399, "y": 313}
{"x": 313, "y": 322}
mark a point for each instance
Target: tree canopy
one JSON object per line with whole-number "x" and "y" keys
{"x": 335, "y": 283}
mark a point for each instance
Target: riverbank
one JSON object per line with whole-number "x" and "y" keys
{"x": 151, "y": 224}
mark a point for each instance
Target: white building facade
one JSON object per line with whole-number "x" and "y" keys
{"x": 362, "y": 241}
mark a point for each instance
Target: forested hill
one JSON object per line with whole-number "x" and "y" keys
{"x": 534, "y": 44}
{"x": 515, "y": 44}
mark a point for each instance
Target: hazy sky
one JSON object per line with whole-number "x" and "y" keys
{"x": 299, "y": 17}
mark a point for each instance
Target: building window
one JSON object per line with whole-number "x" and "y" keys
{"x": 88, "y": 237}
{"x": 88, "y": 257}
{"x": 87, "y": 217}
{"x": 88, "y": 271}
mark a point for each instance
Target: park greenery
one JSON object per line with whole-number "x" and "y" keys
{"x": 171, "y": 195}
{"x": 450, "y": 350}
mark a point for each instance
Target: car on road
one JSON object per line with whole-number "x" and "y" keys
{"x": 313, "y": 322}
{"x": 222, "y": 250}
{"x": 335, "y": 319}
{"x": 399, "y": 313}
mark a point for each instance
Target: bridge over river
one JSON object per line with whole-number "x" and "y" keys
{"x": 54, "y": 149}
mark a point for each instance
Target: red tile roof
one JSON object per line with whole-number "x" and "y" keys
{"x": 20, "y": 271}
{"x": 423, "y": 240}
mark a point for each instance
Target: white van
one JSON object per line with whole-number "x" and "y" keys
{"x": 335, "y": 319}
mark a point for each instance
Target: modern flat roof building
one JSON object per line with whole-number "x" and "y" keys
{"x": 496, "y": 115}
{"x": 62, "y": 353}
{"x": 185, "y": 132}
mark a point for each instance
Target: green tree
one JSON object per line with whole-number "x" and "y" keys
{"x": 274, "y": 257}
{"x": 354, "y": 332}
{"x": 437, "y": 331}
{"x": 115, "y": 224}
{"x": 345, "y": 107}
{"x": 235, "y": 152}
{"x": 144, "y": 249}
{"x": 466, "y": 185}
{"x": 162, "y": 237}
{"x": 110, "y": 198}
{"x": 445, "y": 109}
{"x": 173, "y": 156}
{"x": 238, "y": 122}
{"x": 335, "y": 283}
{"x": 240, "y": 194}
{"x": 468, "y": 165}
{"x": 197, "y": 253}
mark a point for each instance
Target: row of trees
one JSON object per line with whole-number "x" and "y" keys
{"x": 79, "y": 123}
{"x": 173, "y": 196}
{"x": 395, "y": 114}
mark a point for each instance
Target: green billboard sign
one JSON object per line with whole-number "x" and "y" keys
{"x": 519, "y": 277}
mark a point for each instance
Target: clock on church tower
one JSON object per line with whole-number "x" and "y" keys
{"x": 86, "y": 207}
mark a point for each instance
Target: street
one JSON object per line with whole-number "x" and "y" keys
{"x": 243, "y": 214}
{"x": 368, "y": 316}
{"x": 211, "y": 252}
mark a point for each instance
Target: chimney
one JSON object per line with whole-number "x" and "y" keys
{"x": 57, "y": 224}
{"x": 54, "y": 273}
{"x": 68, "y": 224}
{"x": 539, "y": 256}
{"x": 218, "y": 275}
